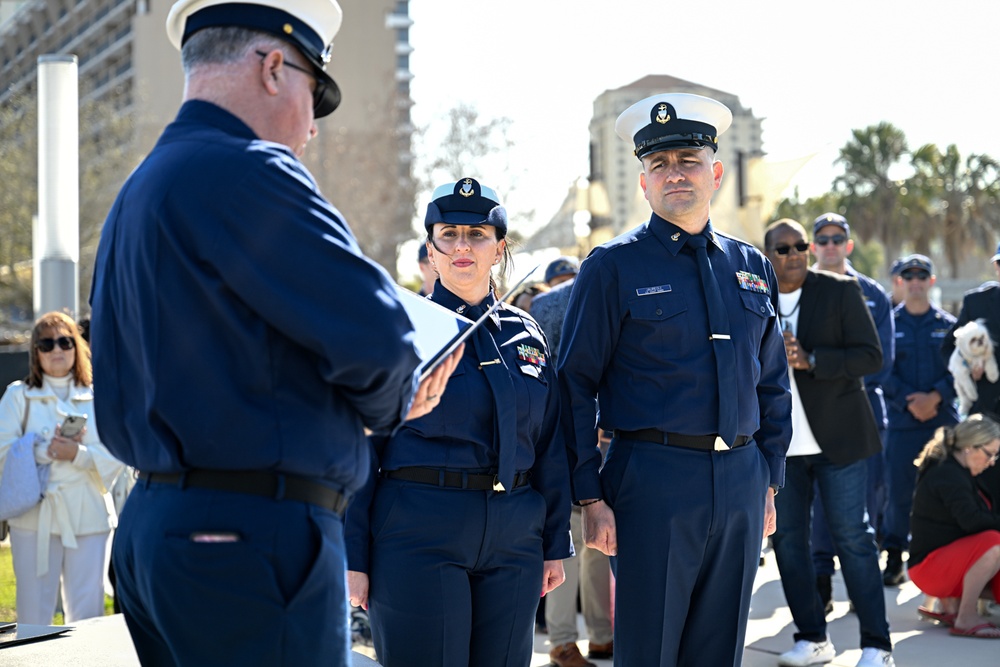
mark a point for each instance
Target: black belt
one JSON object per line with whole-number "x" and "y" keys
{"x": 454, "y": 479}
{"x": 705, "y": 443}
{"x": 257, "y": 483}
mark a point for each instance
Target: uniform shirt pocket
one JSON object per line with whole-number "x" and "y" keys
{"x": 758, "y": 310}
{"x": 658, "y": 326}
{"x": 657, "y": 306}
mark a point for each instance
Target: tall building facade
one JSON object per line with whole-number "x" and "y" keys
{"x": 361, "y": 156}
{"x": 614, "y": 164}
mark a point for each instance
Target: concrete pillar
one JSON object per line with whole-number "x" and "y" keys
{"x": 57, "y": 245}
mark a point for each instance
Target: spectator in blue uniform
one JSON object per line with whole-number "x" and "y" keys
{"x": 832, "y": 245}
{"x": 465, "y": 519}
{"x": 920, "y": 396}
{"x": 982, "y": 303}
{"x": 674, "y": 325}
{"x": 231, "y": 374}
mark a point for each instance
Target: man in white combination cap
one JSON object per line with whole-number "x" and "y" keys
{"x": 232, "y": 376}
{"x": 673, "y": 324}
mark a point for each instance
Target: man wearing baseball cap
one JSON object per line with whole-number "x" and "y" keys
{"x": 920, "y": 396}
{"x": 674, "y": 325}
{"x": 232, "y": 375}
{"x": 832, "y": 245}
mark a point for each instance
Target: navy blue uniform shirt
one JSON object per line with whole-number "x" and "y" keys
{"x": 460, "y": 434}
{"x": 919, "y": 367}
{"x": 236, "y": 323}
{"x": 880, "y": 306}
{"x": 636, "y": 333}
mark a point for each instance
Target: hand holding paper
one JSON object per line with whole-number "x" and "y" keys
{"x": 430, "y": 390}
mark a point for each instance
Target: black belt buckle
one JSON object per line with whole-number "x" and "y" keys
{"x": 497, "y": 485}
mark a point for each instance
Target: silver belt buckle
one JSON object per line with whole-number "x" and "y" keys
{"x": 720, "y": 444}
{"x": 497, "y": 486}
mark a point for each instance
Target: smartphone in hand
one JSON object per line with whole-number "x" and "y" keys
{"x": 72, "y": 426}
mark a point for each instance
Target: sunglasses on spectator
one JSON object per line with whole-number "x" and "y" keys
{"x": 801, "y": 248}
{"x": 49, "y": 344}
{"x": 836, "y": 239}
{"x": 914, "y": 275}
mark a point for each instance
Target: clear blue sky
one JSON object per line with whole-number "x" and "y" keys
{"x": 814, "y": 71}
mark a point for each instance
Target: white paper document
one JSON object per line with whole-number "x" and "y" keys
{"x": 435, "y": 326}
{"x": 440, "y": 331}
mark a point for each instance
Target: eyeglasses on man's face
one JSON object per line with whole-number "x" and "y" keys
{"x": 783, "y": 249}
{"x": 49, "y": 344}
{"x": 320, "y": 85}
{"x": 914, "y": 275}
{"x": 836, "y": 239}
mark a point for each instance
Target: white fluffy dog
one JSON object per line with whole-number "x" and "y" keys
{"x": 973, "y": 357}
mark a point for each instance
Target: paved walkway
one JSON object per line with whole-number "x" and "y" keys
{"x": 916, "y": 643}
{"x": 104, "y": 642}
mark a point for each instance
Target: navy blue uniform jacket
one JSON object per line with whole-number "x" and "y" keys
{"x": 236, "y": 323}
{"x": 880, "y": 306}
{"x": 460, "y": 434}
{"x": 636, "y": 333}
{"x": 919, "y": 367}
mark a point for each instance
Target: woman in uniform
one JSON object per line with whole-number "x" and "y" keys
{"x": 466, "y": 518}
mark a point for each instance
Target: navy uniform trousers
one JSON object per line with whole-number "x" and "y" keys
{"x": 176, "y": 571}
{"x": 901, "y": 448}
{"x": 690, "y": 524}
{"x": 455, "y": 575}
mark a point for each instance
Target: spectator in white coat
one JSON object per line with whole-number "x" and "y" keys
{"x": 66, "y": 534}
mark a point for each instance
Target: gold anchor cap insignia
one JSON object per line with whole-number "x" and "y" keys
{"x": 466, "y": 189}
{"x": 662, "y": 117}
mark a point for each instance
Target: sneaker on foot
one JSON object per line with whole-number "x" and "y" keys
{"x": 806, "y": 653}
{"x": 876, "y": 657}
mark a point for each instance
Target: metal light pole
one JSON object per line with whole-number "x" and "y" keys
{"x": 57, "y": 240}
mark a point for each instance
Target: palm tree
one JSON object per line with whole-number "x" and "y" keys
{"x": 953, "y": 200}
{"x": 869, "y": 196}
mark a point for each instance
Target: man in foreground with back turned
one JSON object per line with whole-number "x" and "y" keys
{"x": 231, "y": 375}
{"x": 674, "y": 325}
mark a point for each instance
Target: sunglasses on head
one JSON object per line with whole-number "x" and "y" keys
{"x": 801, "y": 248}
{"x": 49, "y": 344}
{"x": 836, "y": 239}
{"x": 914, "y": 275}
